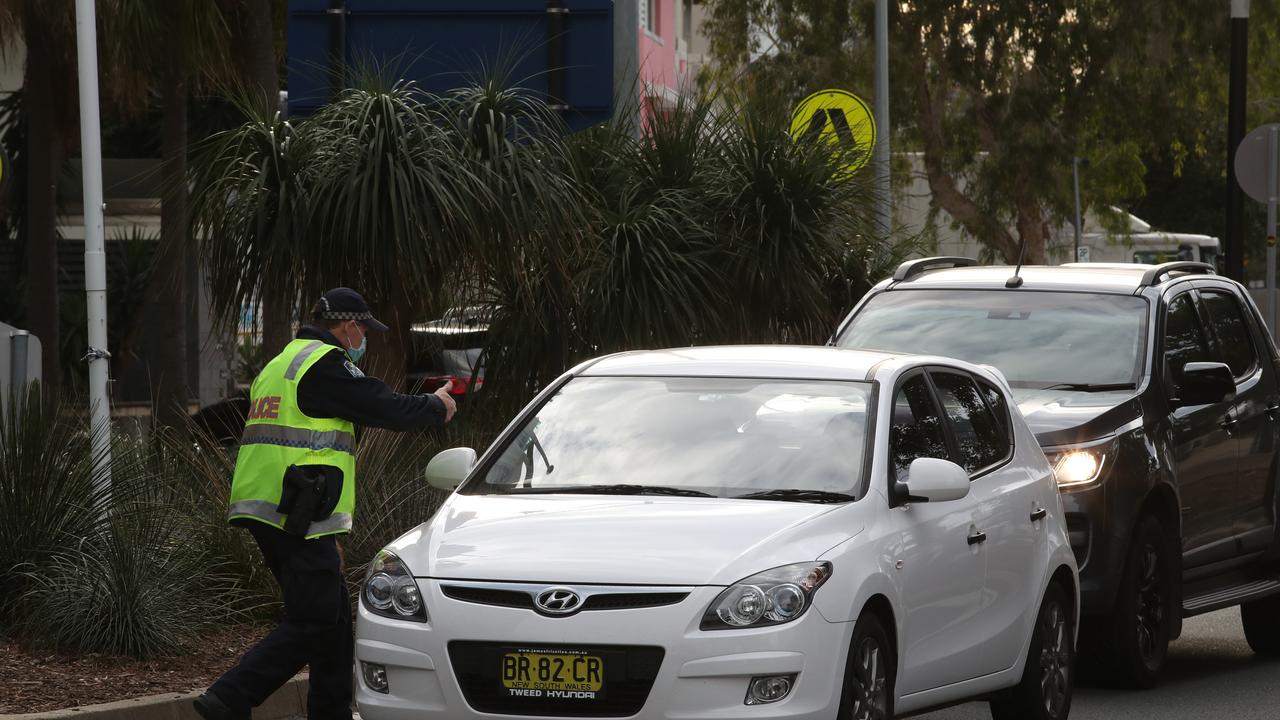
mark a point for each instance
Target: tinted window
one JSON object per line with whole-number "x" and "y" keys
{"x": 981, "y": 440}
{"x": 1183, "y": 340}
{"x": 1233, "y": 334}
{"x": 916, "y": 431}
{"x": 1037, "y": 339}
{"x": 1000, "y": 411}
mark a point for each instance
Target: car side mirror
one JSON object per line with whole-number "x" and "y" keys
{"x": 449, "y": 468}
{"x": 1205, "y": 383}
{"x": 935, "y": 480}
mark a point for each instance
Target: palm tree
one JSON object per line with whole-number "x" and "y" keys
{"x": 371, "y": 192}
{"x": 249, "y": 207}
{"x": 254, "y": 41}
{"x": 714, "y": 226}
{"x": 789, "y": 213}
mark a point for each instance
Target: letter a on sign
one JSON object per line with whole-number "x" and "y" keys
{"x": 838, "y": 117}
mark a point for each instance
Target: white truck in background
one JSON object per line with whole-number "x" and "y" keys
{"x": 1141, "y": 244}
{"x": 1110, "y": 236}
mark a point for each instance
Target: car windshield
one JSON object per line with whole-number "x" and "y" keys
{"x": 721, "y": 437}
{"x": 1037, "y": 339}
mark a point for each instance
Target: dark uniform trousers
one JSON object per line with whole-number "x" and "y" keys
{"x": 315, "y": 631}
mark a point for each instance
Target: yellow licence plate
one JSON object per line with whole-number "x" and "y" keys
{"x": 552, "y": 671}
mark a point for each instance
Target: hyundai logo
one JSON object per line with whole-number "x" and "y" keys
{"x": 558, "y": 601}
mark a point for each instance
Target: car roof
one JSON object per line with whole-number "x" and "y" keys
{"x": 1126, "y": 278}
{"x": 770, "y": 361}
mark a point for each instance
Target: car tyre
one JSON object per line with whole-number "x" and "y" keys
{"x": 1048, "y": 676}
{"x": 1261, "y": 620}
{"x": 1134, "y": 645}
{"x": 869, "y": 673}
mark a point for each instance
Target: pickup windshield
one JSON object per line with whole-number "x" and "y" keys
{"x": 1037, "y": 339}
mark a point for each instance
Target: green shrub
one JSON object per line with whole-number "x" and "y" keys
{"x": 196, "y": 472}
{"x": 48, "y": 490}
{"x": 137, "y": 587}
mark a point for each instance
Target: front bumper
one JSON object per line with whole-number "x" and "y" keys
{"x": 702, "y": 675}
{"x": 1090, "y": 531}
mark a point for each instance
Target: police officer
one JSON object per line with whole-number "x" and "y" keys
{"x": 294, "y": 490}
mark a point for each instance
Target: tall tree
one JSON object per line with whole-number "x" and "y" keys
{"x": 1000, "y": 96}
{"x": 163, "y": 46}
{"x": 49, "y": 82}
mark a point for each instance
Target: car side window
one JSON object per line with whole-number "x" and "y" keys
{"x": 980, "y": 439}
{"x": 1232, "y": 330}
{"x": 916, "y": 429}
{"x": 1183, "y": 338}
{"x": 1000, "y": 409}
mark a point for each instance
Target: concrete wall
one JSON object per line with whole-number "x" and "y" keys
{"x": 12, "y": 63}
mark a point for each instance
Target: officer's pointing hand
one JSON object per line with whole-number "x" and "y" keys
{"x": 450, "y": 406}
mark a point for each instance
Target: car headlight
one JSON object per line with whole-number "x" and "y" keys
{"x": 390, "y": 590}
{"x": 1079, "y": 466}
{"x": 772, "y": 597}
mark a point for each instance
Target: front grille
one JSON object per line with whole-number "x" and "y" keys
{"x": 489, "y": 596}
{"x": 524, "y": 600}
{"x": 629, "y": 672}
{"x": 622, "y": 601}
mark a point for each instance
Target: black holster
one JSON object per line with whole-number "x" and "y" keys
{"x": 308, "y": 495}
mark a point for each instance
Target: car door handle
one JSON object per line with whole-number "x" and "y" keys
{"x": 1229, "y": 425}
{"x": 1272, "y": 410}
{"x": 1038, "y": 514}
{"x": 977, "y": 537}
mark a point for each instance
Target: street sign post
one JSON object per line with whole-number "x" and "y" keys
{"x": 1257, "y": 165}
{"x": 837, "y": 116}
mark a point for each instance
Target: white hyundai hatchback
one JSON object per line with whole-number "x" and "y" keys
{"x": 734, "y": 532}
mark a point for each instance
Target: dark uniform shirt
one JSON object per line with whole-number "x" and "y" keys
{"x": 333, "y": 387}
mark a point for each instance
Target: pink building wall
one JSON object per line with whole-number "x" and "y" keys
{"x": 663, "y": 64}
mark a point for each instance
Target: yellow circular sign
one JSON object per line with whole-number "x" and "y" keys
{"x": 837, "y": 116}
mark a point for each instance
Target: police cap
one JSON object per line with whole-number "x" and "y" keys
{"x": 347, "y": 304}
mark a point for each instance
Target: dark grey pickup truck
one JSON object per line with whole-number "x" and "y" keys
{"x": 1154, "y": 392}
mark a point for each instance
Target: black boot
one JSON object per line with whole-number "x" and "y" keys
{"x": 211, "y": 708}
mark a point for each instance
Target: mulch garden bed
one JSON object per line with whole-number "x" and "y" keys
{"x": 37, "y": 681}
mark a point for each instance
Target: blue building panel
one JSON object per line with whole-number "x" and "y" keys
{"x": 442, "y": 44}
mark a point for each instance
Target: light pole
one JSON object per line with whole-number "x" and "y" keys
{"x": 95, "y": 253}
{"x": 884, "y": 202}
{"x": 1076, "y": 162}
{"x": 1238, "y": 93}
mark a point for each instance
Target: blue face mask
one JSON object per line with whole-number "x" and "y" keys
{"x": 357, "y": 353}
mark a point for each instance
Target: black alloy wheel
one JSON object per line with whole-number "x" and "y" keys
{"x": 1152, "y": 590}
{"x": 1048, "y": 676}
{"x": 1055, "y": 660}
{"x": 868, "y": 682}
{"x": 1131, "y": 644}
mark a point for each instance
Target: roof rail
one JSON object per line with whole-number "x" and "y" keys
{"x": 1152, "y": 276}
{"x": 912, "y": 268}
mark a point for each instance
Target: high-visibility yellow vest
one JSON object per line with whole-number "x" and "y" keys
{"x": 278, "y": 434}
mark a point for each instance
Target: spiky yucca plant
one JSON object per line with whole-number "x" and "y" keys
{"x": 50, "y": 489}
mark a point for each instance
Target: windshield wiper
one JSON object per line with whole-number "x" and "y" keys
{"x": 613, "y": 490}
{"x": 1092, "y": 387}
{"x": 797, "y": 495}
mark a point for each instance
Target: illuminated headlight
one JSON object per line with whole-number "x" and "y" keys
{"x": 772, "y": 597}
{"x": 1074, "y": 467}
{"x": 390, "y": 590}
